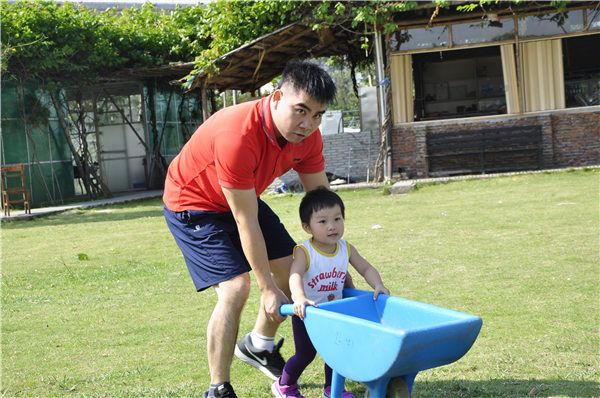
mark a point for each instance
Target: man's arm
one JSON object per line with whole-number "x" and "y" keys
{"x": 244, "y": 207}
{"x": 315, "y": 180}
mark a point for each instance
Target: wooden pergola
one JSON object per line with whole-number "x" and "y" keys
{"x": 255, "y": 64}
{"x": 258, "y": 62}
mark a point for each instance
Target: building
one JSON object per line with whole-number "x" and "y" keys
{"x": 130, "y": 130}
{"x": 496, "y": 71}
{"x": 516, "y": 70}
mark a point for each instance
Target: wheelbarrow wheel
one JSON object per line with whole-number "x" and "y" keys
{"x": 396, "y": 388}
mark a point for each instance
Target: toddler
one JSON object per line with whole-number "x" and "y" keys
{"x": 317, "y": 275}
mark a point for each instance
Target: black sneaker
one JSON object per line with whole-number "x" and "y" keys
{"x": 270, "y": 363}
{"x": 222, "y": 391}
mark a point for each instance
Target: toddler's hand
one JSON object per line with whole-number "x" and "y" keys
{"x": 300, "y": 307}
{"x": 380, "y": 289}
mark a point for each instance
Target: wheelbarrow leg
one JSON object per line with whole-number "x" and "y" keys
{"x": 385, "y": 387}
{"x": 410, "y": 380}
{"x": 378, "y": 388}
{"x": 337, "y": 385}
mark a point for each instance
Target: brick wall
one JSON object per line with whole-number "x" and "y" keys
{"x": 351, "y": 153}
{"x": 575, "y": 139}
{"x": 347, "y": 153}
{"x": 569, "y": 137}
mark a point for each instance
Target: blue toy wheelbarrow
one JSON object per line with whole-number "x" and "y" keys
{"x": 374, "y": 341}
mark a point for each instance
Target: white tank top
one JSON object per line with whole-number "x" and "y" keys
{"x": 325, "y": 273}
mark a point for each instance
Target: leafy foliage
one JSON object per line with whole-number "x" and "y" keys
{"x": 467, "y": 7}
{"x": 362, "y": 16}
{"x": 230, "y": 24}
{"x": 63, "y": 41}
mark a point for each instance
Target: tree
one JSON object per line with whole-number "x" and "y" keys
{"x": 66, "y": 41}
{"x": 235, "y": 23}
{"x": 62, "y": 44}
{"x": 230, "y": 24}
{"x": 67, "y": 45}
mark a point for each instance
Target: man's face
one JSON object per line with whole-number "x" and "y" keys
{"x": 296, "y": 115}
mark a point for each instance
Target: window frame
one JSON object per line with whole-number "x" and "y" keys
{"x": 516, "y": 42}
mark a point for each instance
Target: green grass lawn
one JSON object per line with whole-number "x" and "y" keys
{"x": 99, "y": 303}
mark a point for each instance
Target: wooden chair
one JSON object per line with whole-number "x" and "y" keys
{"x": 16, "y": 188}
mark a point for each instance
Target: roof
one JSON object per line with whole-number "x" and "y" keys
{"x": 258, "y": 62}
{"x": 254, "y": 64}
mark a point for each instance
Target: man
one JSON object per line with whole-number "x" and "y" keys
{"x": 224, "y": 230}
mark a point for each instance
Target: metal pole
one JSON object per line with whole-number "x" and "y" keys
{"x": 369, "y": 155}
{"x": 349, "y": 164}
{"x": 380, "y": 89}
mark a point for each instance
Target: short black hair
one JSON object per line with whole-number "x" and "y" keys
{"x": 310, "y": 78}
{"x": 317, "y": 199}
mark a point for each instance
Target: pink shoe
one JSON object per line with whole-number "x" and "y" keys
{"x": 286, "y": 391}
{"x": 345, "y": 394}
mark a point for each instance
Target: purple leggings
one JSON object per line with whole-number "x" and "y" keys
{"x": 305, "y": 353}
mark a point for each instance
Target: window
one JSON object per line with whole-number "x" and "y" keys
{"x": 495, "y": 65}
{"x": 582, "y": 70}
{"x": 592, "y": 19}
{"x": 483, "y": 31}
{"x": 458, "y": 83}
{"x": 418, "y": 39}
{"x": 550, "y": 24}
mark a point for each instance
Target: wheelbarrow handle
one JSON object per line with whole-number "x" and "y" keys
{"x": 286, "y": 309}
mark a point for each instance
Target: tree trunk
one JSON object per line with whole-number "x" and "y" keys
{"x": 158, "y": 164}
{"x": 20, "y": 90}
{"x": 91, "y": 180}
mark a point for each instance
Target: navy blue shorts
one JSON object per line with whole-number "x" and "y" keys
{"x": 211, "y": 247}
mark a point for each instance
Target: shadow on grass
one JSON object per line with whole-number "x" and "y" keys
{"x": 505, "y": 388}
{"x": 425, "y": 389}
{"x": 98, "y": 214}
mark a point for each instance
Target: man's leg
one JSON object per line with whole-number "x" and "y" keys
{"x": 258, "y": 347}
{"x": 280, "y": 268}
{"x": 223, "y": 326}
{"x": 214, "y": 259}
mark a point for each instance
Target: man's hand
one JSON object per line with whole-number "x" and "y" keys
{"x": 272, "y": 299}
{"x": 244, "y": 207}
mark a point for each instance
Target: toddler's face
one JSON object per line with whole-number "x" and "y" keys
{"x": 326, "y": 226}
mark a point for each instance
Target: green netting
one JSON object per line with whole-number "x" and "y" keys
{"x": 56, "y": 177}
{"x": 45, "y": 154}
{"x": 173, "y": 140}
{"x": 40, "y": 144}
{"x": 182, "y": 117}
{"x": 162, "y": 112}
{"x": 14, "y": 141}
{"x": 59, "y": 149}
{"x": 9, "y": 101}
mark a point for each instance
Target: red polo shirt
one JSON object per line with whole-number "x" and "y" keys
{"x": 235, "y": 148}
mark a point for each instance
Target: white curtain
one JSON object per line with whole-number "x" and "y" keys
{"x": 543, "y": 75}
{"x": 511, "y": 87}
{"x": 402, "y": 88}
